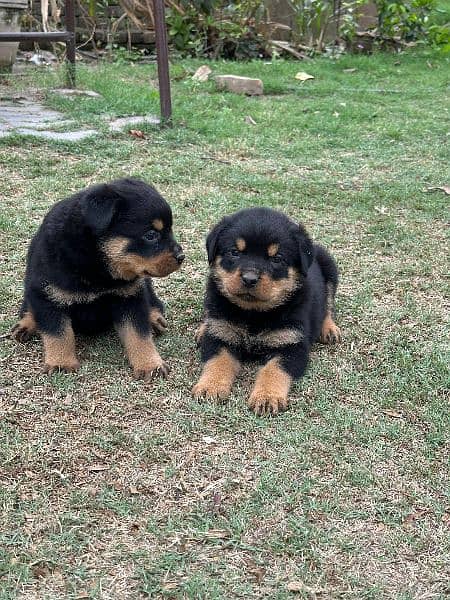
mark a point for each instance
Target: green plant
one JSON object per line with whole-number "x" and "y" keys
{"x": 407, "y": 19}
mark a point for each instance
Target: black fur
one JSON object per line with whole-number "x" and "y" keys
{"x": 303, "y": 310}
{"x": 67, "y": 252}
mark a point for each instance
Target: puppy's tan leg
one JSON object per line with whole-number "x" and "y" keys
{"x": 142, "y": 353}
{"x": 217, "y": 376}
{"x": 157, "y": 320}
{"x": 330, "y": 331}
{"x": 270, "y": 392}
{"x": 199, "y": 333}
{"x": 59, "y": 351}
{"x": 25, "y": 328}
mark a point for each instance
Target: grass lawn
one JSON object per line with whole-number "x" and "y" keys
{"x": 112, "y": 488}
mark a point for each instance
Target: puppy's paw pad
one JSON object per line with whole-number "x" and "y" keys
{"x": 265, "y": 404}
{"x": 68, "y": 367}
{"x": 211, "y": 390}
{"x": 331, "y": 334}
{"x": 158, "y": 321}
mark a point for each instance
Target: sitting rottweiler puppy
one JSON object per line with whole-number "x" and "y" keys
{"x": 89, "y": 267}
{"x": 270, "y": 295}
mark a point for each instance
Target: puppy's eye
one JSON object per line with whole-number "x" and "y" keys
{"x": 151, "y": 236}
{"x": 277, "y": 258}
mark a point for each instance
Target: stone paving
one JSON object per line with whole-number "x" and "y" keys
{"x": 26, "y": 117}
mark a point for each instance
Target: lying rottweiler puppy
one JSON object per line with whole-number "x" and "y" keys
{"x": 270, "y": 295}
{"x": 89, "y": 267}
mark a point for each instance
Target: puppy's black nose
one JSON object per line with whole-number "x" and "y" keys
{"x": 249, "y": 278}
{"x": 179, "y": 258}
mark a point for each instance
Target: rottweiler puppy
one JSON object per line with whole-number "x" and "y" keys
{"x": 89, "y": 268}
{"x": 270, "y": 295}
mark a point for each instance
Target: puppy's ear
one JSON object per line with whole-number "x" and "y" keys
{"x": 305, "y": 249}
{"x": 99, "y": 207}
{"x": 213, "y": 238}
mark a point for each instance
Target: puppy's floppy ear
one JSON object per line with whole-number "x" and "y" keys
{"x": 213, "y": 238}
{"x": 99, "y": 205}
{"x": 305, "y": 249}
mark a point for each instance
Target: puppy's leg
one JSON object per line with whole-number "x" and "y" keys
{"x": 219, "y": 370}
{"x": 56, "y": 331}
{"x": 273, "y": 381}
{"x": 131, "y": 320}
{"x": 26, "y": 327}
{"x": 330, "y": 332}
{"x": 156, "y": 314}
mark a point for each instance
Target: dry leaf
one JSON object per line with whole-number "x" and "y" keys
{"x": 96, "y": 468}
{"x": 440, "y": 188}
{"x": 137, "y": 133}
{"x": 206, "y": 439}
{"x": 350, "y": 70}
{"x": 302, "y": 76}
{"x": 248, "y": 119}
{"x": 382, "y": 210}
{"x": 202, "y": 73}
{"x": 295, "y": 586}
{"x": 392, "y": 413}
{"x": 170, "y": 585}
{"x": 133, "y": 490}
{"x": 217, "y": 534}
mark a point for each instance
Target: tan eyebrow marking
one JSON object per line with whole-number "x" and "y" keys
{"x": 240, "y": 244}
{"x": 158, "y": 224}
{"x": 272, "y": 249}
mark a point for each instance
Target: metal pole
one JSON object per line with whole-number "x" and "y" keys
{"x": 70, "y": 45}
{"x": 162, "y": 56}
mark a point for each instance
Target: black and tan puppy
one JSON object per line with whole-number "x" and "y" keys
{"x": 270, "y": 295}
{"x": 89, "y": 267}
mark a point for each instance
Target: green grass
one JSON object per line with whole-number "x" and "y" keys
{"x": 112, "y": 488}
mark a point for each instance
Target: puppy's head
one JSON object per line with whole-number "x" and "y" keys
{"x": 133, "y": 225}
{"x": 258, "y": 257}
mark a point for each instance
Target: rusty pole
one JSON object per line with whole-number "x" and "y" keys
{"x": 162, "y": 56}
{"x": 70, "y": 45}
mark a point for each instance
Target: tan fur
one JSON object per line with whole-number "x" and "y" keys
{"x": 217, "y": 376}
{"x": 240, "y": 336}
{"x": 158, "y": 224}
{"x": 142, "y": 353}
{"x": 66, "y": 298}
{"x": 199, "y": 333}
{"x": 25, "y": 328}
{"x": 268, "y": 293}
{"x": 272, "y": 249}
{"x": 59, "y": 351}
{"x": 240, "y": 244}
{"x": 157, "y": 320}
{"x": 270, "y": 392}
{"x": 330, "y": 331}
{"x": 126, "y": 265}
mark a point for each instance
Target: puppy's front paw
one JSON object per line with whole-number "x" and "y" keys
{"x": 263, "y": 403}
{"x": 212, "y": 389}
{"x": 69, "y": 366}
{"x": 151, "y": 370}
{"x": 157, "y": 321}
{"x": 24, "y": 329}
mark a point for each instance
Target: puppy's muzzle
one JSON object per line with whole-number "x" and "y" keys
{"x": 250, "y": 278}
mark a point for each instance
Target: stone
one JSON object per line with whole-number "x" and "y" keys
{"x": 61, "y": 136}
{"x": 74, "y": 92}
{"x": 122, "y": 122}
{"x": 202, "y": 73}
{"x": 240, "y": 85}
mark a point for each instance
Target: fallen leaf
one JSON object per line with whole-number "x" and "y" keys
{"x": 295, "y": 586}
{"x": 96, "y": 468}
{"x": 302, "y": 76}
{"x": 217, "y": 534}
{"x": 133, "y": 490}
{"x": 382, "y": 210}
{"x": 248, "y": 119}
{"x": 170, "y": 585}
{"x": 392, "y": 413}
{"x": 350, "y": 70}
{"x": 440, "y": 188}
{"x": 137, "y": 133}
{"x": 206, "y": 439}
{"x": 202, "y": 73}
